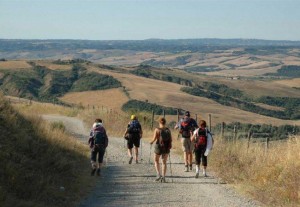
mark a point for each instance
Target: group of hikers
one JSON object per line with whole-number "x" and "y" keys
{"x": 195, "y": 138}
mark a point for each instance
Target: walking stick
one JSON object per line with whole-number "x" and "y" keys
{"x": 150, "y": 153}
{"x": 170, "y": 167}
{"x": 106, "y": 157}
{"x": 141, "y": 143}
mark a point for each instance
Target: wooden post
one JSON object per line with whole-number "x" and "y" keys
{"x": 222, "y": 130}
{"x": 249, "y": 138}
{"x": 234, "y": 133}
{"x": 196, "y": 118}
{"x": 267, "y": 144}
{"x": 209, "y": 121}
{"x": 152, "y": 120}
{"x": 164, "y": 113}
{"x": 177, "y": 115}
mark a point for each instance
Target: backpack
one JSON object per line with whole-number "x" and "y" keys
{"x": 99, "y": 136}
{"x": 201, "y": 138}
{"x": 134, "y": 127}
{"x": 185, "y": 128}
{"x": 165, "y": 138}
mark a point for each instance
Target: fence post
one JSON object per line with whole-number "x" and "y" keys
{"x": 249, "y": 138}
{"x": 164, "y": 113}
{"x": 209, "y": 121}
{"x": 222, "y": 130}
{"x": 177, "y": 115}
{"x": 267, "y": 144}
{"x": 152, "y": 120}
{"x": 196, "y": 118}
{"x": 234, "y": 133}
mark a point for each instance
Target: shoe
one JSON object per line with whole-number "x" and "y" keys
{"x": 93, "y": 171}
{"x": 98, "y": 171}
{"x": 158, "y": 178}
{"x": 130, "y": 160}
{"x": 197, "y": 175}
{"x": 191, "y": 167}
{"x": 186, "y": 169}
{"x": 163, "y": 180}
{"x": 204, "y": 174}
{"x": 136, "y": 161}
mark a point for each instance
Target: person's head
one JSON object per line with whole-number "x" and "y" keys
{"x": 162, "y": 121}
{"x": 202, "y": 124}
{"x": 187, "y": 114}
{"x": 98, "y": 120}
{"x": 133, "y": 117}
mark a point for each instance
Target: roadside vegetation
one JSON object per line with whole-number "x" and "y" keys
{"x": 271, "y": 176}
{"x": 39, "y": 162}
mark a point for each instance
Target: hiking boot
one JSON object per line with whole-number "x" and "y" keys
{"x": 93, "y": 171}
{"x": 98, "y": 171}
{"x": 163, "y": 180}
{"x": 191, "y": 167}
{"x": 130, "y": 160}
{"x": 158, "y": 178}
{"x": 186, "y": 169}
{"x": 197, "y": 175}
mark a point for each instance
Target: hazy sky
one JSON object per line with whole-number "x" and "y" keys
{"x": 143, "y": 19}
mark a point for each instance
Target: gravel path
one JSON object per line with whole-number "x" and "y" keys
{"x": 122, "y": 184}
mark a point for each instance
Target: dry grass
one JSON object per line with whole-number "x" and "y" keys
{"x": 290, "y": 82}
{"x": 37, "y": 160}
{"x": 111, "y": 98}
{"x": 271, "y": 177}
{"x": 39, "y": 108}
{"x": 14, "y": 64}
{"x": 52, "y": 66}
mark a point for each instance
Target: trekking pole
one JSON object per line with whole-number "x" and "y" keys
{"x": 170, "y": 167}
{"x": 150, "y": 152}
{"x": 141, "y": 143}
{"x": 106, "y": 158}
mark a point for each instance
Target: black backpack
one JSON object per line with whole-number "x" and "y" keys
{"x": 134, "y": 127}
{"x": 165, "y": 138}
{"x": 100, "y": 137}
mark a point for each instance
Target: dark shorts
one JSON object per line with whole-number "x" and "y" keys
{"x": 199, "y": 155}
{"x": 98, "y": 153}
{"x": 160, "y": 151}
{"x": 133, "y": 141}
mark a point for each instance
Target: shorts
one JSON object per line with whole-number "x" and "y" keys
{"x": 133, "y": 141}
{"x": 199, "y": 155}
{"x": 98, "y": 151}
{"x": 160, "y": 151}
{"x": 187, "y": 145}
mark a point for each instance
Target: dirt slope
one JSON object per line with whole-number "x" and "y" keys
{"x": 122, "y": 184}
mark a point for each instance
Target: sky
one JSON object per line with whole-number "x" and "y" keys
{"x": 144, "y": 19}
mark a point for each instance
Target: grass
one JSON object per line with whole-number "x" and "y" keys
{"x": 271, "y": 177}
{"x": 39, "y": 163}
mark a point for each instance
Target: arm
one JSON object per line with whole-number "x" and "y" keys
{"x": 154, "y": 136}
{"x": 194, "y": 134}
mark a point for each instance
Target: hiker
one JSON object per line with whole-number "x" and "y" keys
{"x": 163, "y": 143}
{"x": 98, "y": 142}
{"x": 203, "y": 141}
{"x": 186, "y": 126}
{"x": 133, "y": 134}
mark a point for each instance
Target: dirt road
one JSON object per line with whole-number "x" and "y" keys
{"x": 122, "y": 184}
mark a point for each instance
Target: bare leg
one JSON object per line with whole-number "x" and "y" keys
{"x": 136, "y": 152}
{"x": 157, "y": 165}
{"x": 185, "y": 157}
{"x": 164, "y": 164}
{"x": 130, "y": 152}
{"x": 190, "y": 159}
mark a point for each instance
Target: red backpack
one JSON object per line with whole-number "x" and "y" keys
{"x": 201, "y": 138}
